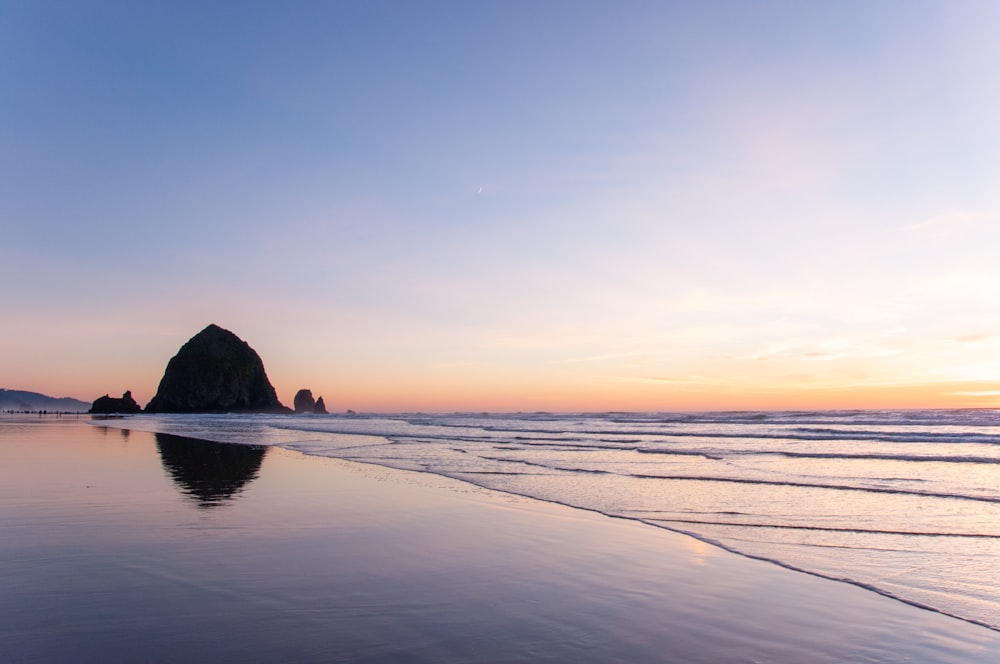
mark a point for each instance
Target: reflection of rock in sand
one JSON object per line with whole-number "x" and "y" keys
{"x": 210, "y": 473}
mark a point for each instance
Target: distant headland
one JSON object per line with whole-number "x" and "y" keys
{"x": 22, "y": 401}
{"x": 213, "y": 372}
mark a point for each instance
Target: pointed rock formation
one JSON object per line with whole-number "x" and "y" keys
{"x": 107, "y": 405}
{"x": 215, "y": 372}
{"x": 320, "y": 407}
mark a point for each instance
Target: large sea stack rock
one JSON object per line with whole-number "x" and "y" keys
{"x": 107, "y": 405}
{"x": 215, "y": 372}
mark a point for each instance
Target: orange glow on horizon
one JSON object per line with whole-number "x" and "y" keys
{"x": 400, "y": 379}
{"x": 582, "y": 398}
{"x": 383, "y": 394}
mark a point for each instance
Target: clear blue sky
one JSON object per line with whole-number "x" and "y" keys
{"x": 507, "y": 205}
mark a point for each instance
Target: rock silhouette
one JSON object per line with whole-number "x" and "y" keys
{"x": 304, "y": 403}
{"x": 215, "y": 372}
{"x": 107, "y": 405}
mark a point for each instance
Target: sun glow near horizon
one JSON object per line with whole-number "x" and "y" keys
{"x": 596, "y": 384}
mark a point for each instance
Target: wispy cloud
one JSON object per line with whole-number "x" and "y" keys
{"x": 957, "y": 221}
{"x": 665, "y": 380}
{"x": 976, "y": 338}
{"x": 978, "y": 393}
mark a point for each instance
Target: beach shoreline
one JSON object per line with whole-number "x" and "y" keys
{"x": 119, "y": 546}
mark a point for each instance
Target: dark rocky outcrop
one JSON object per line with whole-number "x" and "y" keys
{"x": 107, "y": 405}
{"x": 215, "y": 372}
{"x": 304, "y": 403}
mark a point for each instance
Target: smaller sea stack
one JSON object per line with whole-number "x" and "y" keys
{"x": 108, "y": 405}
{"x": 304, "y": 403}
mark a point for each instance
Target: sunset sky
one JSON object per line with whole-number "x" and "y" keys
{"x": 507, "y": 205}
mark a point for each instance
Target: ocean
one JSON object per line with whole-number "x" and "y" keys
{"x": 903, "y": 503}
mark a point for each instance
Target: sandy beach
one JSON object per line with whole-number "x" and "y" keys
{"x": 127, "y": 546}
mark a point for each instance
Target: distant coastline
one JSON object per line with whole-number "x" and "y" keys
{"x": 23, "y": 402}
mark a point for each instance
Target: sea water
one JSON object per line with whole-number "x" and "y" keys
{"x": 904, "y": 503}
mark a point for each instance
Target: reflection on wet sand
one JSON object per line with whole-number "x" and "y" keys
{"x": 209, "y": 473}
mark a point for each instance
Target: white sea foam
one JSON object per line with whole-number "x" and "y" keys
{"x": 905, "y": 503}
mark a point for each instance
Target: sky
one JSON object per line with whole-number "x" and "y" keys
{"x": 504, "y": 206}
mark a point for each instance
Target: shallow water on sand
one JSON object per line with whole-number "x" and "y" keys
{"x": 905, "y": 503}
{"x": 121, "y": 545}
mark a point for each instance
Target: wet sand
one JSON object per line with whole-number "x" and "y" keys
{"x": 123, "y": 546}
